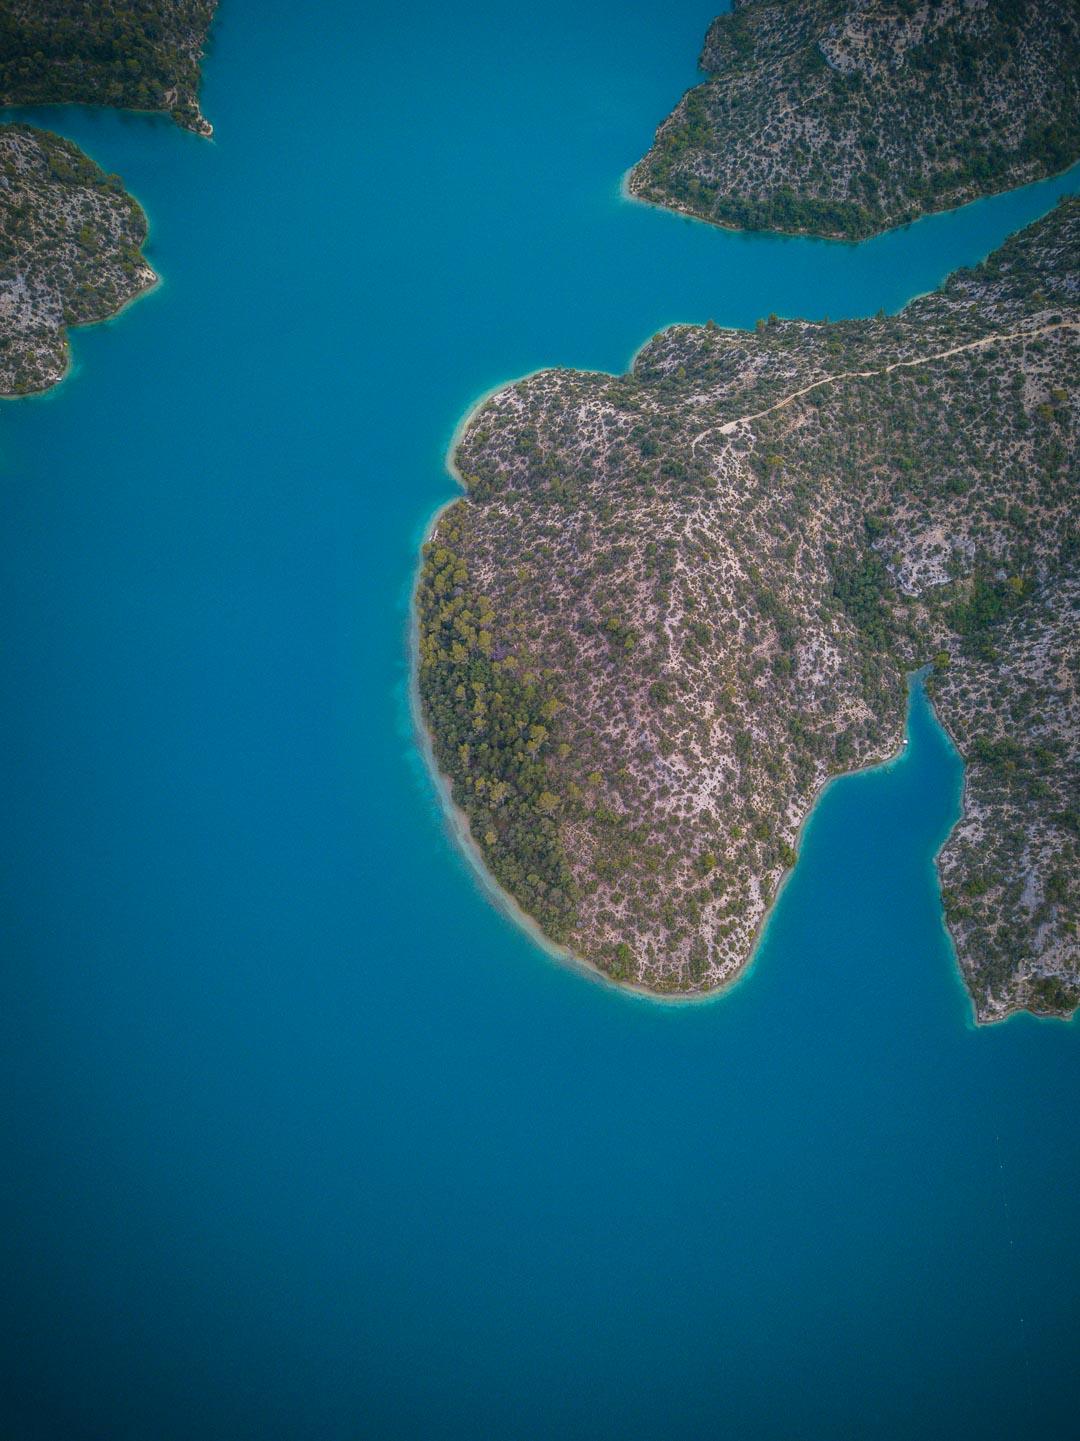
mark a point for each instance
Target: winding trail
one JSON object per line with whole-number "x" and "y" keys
{"x": 730, "y": 426}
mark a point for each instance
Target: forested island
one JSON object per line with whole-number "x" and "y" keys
{"x": 842, "y": 118}
{"x": 133, "y": 54}
{"x": 70, "y": 235}
{"x": 673, "y": 603}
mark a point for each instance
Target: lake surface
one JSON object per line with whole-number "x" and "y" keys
{"x": 301, "y": 1137}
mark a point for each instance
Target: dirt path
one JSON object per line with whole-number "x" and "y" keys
{"x": 732, "y": 425}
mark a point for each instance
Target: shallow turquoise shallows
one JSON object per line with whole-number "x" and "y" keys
{"x": 301, "y": 1137}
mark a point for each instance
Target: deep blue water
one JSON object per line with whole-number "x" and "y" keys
{"x": 301, "y": 1138}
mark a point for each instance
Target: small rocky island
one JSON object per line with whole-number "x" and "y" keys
{"x": 673, "y": 603}
{"x": 70, "y": 239}
{"x": 843, "y": 118}
{"x": 139, "y": 55}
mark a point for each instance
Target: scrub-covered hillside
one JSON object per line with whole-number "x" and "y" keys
{"x": 70, "y": 240}
{"x": 845, "y": 117}
{"x": 673, "y": 603}
{"x": 135, "y": 54}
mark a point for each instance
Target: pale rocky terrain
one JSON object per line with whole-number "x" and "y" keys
{"x": 845, "y": 117}
{"x": 70, "y": 240}
{"x": 674, "y": 603}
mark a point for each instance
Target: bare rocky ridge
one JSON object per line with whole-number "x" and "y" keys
{"x": 845, "y": 117}
{"x": 70, "y": 240}
{"x": 675, "y": 602}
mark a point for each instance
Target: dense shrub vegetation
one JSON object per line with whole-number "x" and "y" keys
{"x": 494, "y": 728}
{"x": 70, "y": 239}
{"x": 828, "y": 117}
{"x": 137, "y": 54}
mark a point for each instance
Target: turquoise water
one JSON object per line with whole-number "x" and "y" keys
{"x": 301, "y": 1137}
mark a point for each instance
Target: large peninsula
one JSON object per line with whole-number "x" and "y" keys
{"x": 673, "y": 603}
{"x": 843, "y": 118}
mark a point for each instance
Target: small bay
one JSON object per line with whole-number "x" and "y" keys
{"x": 302, "y": 1136}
